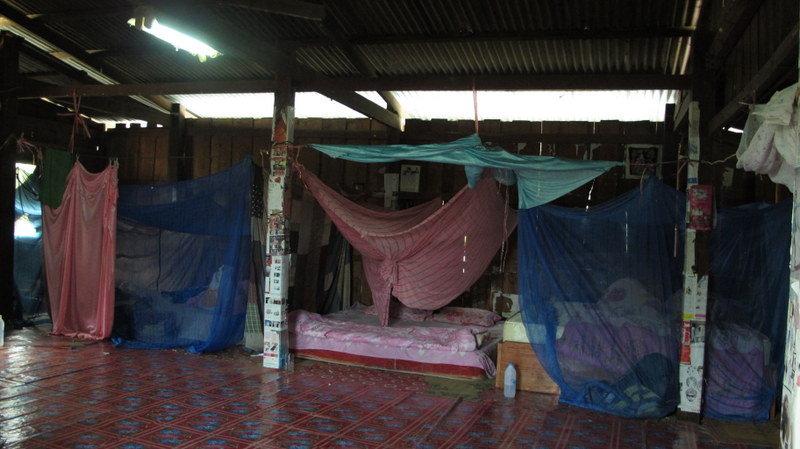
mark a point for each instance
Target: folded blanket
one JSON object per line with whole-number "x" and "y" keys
{"x": 437, "y": 338}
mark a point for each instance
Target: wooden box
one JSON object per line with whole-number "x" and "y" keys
{"x": 530, "y": 374}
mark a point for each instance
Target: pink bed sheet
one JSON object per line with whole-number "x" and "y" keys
{"x": 347, "y": 333}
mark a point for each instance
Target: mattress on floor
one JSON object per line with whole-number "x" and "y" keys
{"x": 397, "y": 356}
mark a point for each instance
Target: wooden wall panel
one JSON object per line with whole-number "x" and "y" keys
{"x": 161, "y": 159}
{"x": 243, "y": 144}
{"x": 221, "y": 147}
{"x": 201, "y": 147}
{"x": 770, "y": 25}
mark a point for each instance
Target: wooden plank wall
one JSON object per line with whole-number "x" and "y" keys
{"x": 142, "y": 153}
{"x": 773, "y": 21}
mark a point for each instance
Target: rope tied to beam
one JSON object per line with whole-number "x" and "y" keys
{"x": 78, "y": 121}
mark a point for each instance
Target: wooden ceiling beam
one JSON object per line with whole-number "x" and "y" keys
{"x": 114, "y": 105}
{"x": 484, "y": 83}
{"x": 83, "y": 14}
{"x": 38, "y": 30}
{"x": 331, "y": 29}
{"x": 122, "y": 108}
{"x": 364, "y": 106}
{"x": 229, "y": 39}
{"x": 584, "y": 81}
{"x": 591, "y": 34}
{"x": 76, "y": 76}
{"x": 116, "y": 90}
{"x": 292, "y": 8}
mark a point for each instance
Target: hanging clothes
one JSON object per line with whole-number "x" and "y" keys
{"x": 771, "y": 138}
{"x": 424, "y": 256}
{"x": 79, "y": 244}
{"x": 57, "y": 165}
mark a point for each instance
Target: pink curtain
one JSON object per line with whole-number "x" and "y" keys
{"x": 79, "y": 245}
{"x": 424, "y": 256}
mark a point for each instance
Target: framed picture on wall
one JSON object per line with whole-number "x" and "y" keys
{"x": 642, "y": 161}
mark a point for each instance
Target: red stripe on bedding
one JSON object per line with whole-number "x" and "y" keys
{"x": 433, "y": 369}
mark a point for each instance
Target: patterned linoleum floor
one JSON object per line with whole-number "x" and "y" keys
{"x": 58, "y": 393}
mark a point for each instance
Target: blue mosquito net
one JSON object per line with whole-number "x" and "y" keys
{"x": 28, "y": 280}
{"x": 600, "y": 299}
{"x": 748, "y": 294}
{"x": 182, "y": 268}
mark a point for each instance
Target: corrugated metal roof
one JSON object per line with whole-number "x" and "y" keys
{"x": 396, "y": 38}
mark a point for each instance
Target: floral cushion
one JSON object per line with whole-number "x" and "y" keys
{"x": 466, "y": 316}
{"x": 397, "y": 310}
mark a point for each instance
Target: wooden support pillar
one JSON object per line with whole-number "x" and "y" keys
{"x": 179, "y": 165}
{"x": 9, "y": 83}
{"x": 670, "y": 153}
{"x": 695, "y": 288}
{"x": 278, "y": 257}
{"x": 698, "y": 231}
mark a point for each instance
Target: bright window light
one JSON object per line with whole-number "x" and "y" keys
{"x": 23, "y": 172}
{"x": 179, "y": 40}
{"x": 591, "y": 106}
{"x": 24, "y": 228}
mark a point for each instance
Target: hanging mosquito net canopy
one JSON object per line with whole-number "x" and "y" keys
{"x": 539, "y": 179}
{"x": 182, "y": 266}
{"x": 427, "y": 255}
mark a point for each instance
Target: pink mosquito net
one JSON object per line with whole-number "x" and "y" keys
{"x": 79, "y": 242}
{"x": 424, "y": 256}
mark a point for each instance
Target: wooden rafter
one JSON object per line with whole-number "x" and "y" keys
{"x": 541, "y": 82}
{"x": 228, "y": 38}
{"x": 728, "y": 29}
{"x": 83, "y": 14}
{"x": 332, "y": 30}
{"x": 293, "y": 8}
{"x": 484, "y": 37}
{"x": 366, "y": 107}
{"x": 786, "y": 51}
{"x": 36, "y": 29}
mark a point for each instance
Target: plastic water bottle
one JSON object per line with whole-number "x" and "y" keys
{"x": 510, "y": 381}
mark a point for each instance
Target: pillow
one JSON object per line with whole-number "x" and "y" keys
{"x": 480, "y": 337}
{"x": 398, "y": 310}
{"x": 466, "y": 316}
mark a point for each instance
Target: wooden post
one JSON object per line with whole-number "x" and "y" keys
{"x": 278, "y": 258}
{"x": 695, "y": 287}
{"x": 9, "y": 82}
{"x": 698, "y": 230}
{"x": 179, "y": 165}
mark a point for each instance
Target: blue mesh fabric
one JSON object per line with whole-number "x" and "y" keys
{"x": 28, "y": 250}
{"x": 600, "y": 299}
{"x": 539, "y": 179}
{"x": 182, "y": 268}
{"x": 748, "y": 294}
